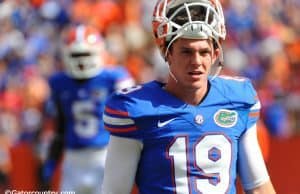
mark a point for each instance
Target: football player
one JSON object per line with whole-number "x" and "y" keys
{"x": 77, "y": 101}
{"x": 195, "y": 133}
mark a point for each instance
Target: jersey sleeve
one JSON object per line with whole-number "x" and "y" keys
{"x": 254, "y": 104}
{"x": 118, "y": 117}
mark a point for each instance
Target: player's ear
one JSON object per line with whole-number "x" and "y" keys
{"x": 216, "y": 51}
{"x": 216, "y": 54}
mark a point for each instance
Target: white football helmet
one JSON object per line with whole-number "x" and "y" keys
{"x": 193, "y": 19}
{"x": 82, "y": 52}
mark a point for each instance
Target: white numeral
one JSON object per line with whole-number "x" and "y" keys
{"x": 86, "y": 123}
{"x": 211, "y": 157}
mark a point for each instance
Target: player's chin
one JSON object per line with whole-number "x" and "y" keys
{"x": 196, "y": 84}
{"x": 196, "y": 81}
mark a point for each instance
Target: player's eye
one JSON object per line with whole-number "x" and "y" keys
{"x": 186, "y": 51}
{"x": 205, "y": 52}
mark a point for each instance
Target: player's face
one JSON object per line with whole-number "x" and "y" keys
{"x": 190, "y": 61}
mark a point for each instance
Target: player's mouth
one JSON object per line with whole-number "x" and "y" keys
{"x": 195, "y": 73}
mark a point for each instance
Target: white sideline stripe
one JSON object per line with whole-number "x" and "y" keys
{"x": 117, "y": 121}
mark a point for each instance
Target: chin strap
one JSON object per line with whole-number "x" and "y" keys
{"x": 171, "y": 73}
{"x": 219, "y": 68}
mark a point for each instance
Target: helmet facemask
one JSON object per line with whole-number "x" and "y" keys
{"x": 192, "y": 19}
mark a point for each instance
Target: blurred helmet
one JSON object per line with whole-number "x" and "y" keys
{"x": 193, "y": 19}
{"x": 82, "y": 52}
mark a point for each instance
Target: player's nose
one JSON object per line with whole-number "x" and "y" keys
{"x": 196, "y": 59}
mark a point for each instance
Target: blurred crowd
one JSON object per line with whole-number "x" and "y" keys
{"x": 262, "y": 43}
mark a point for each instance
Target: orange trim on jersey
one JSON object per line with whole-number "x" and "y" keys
{"x": 116, "y": 112}
{"x": 254, "y": 114}
{"x": 120, "y": 130}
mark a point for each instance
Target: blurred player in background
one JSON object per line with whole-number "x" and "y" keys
{"x": 197, "y": 132}
{"x": 77, "y": 101}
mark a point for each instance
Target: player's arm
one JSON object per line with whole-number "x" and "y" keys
{"x": 266, "y": 188}
{"x": 125, "y": 144}
{"x": 56, "y": 146}
{"x": 252, "y": 169}
{"x": 121, "y": 164}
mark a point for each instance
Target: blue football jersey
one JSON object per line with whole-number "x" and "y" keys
{"x": 186, "y": 149}
{"x": 81, "y": 104}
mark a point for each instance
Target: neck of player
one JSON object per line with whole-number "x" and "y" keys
{"x": 189, "y": 95}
